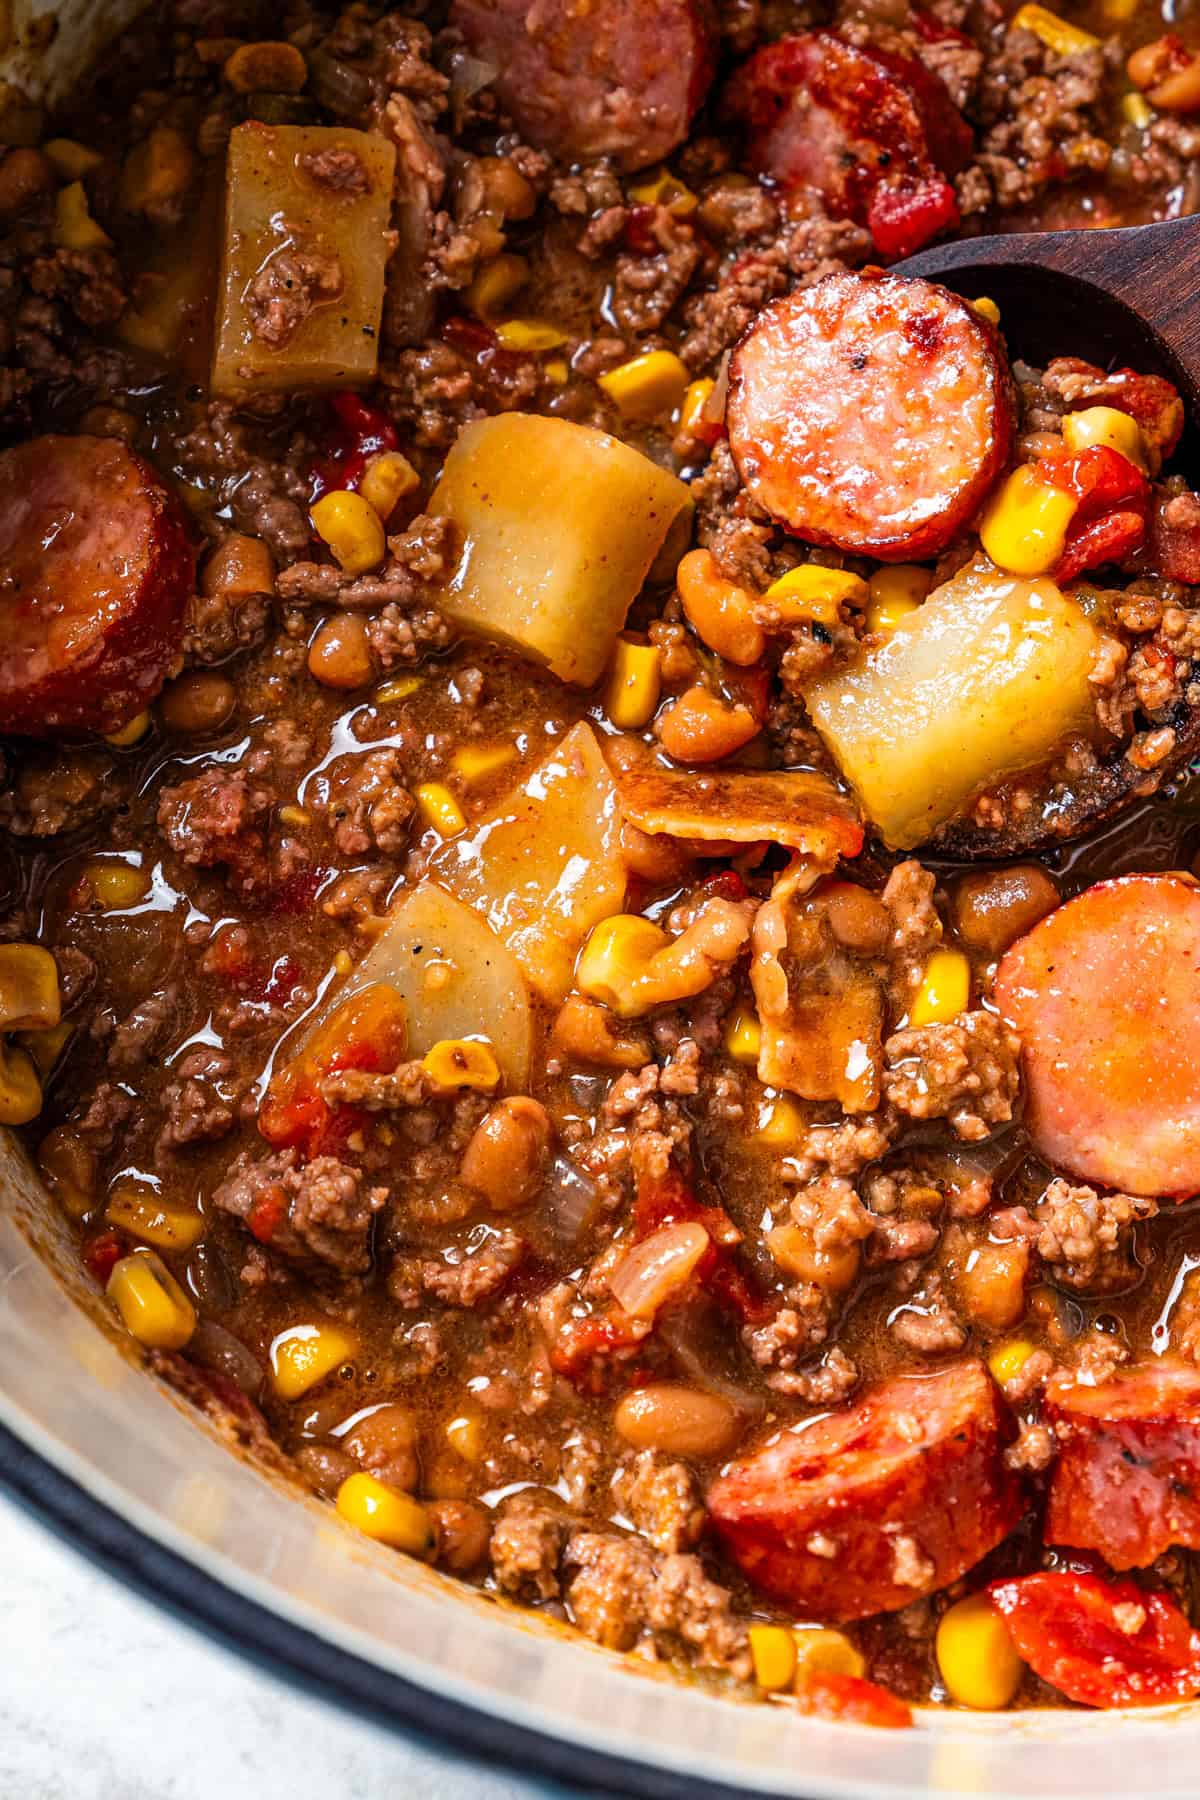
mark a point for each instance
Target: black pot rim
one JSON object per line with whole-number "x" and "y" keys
{"x": 301, "y": 1658}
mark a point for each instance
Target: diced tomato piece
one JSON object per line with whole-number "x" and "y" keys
{"x": 1095, "y": 542}
{"x": 294, "y": 896}
{"x": 901, "y": 219}
{"x": 361, "y": 432}
{"x": 1100, "y": 478}
{"x": 1101, "y": 1643}
{"x": 266, "y": 1215}
{"x": 582, "y": 1343}
{"x": 851, "y": 1700}
{"x": 101, "y": 1254}
{"x": 368, "y": 1031}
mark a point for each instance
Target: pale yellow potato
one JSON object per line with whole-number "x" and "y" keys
{"x": 559, "y": 527}
{"x": 986, "y": 678}
{"x": 546, "y": 865}
{"x": 456, "y": 978}
{"x": 277, "y": 213}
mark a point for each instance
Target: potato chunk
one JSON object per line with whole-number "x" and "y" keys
{"x": 546, "y": 865}
{"x": 988, "y": 677}
{"x": 303, "y": 257}
{"x": 560, "y": 525}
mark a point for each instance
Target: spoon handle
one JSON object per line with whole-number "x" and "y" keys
{"x": 1135, "y": 286}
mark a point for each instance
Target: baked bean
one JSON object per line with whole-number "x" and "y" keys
{"x": 201, "y": 700}
{"x": 794, "y": 1249}
{"x": 858, "y": 919}
{"x": 991, "y": 1284}
{"x": 385, "y": 1443}
{"x": 266, "y": 68}
{"x": 239, "y": 565}
{"x": 24, "y": 174}
{"x": 700, "y": 728}
{"x": 325, "y": 1467}
{"x": 505, "y": 189}
{"x": 1178, "y": 92}
{"x": 506, "y": 1158}
{"x": 994, "y": 907}
{"x": 340, "y": 653}
{"x": 1153, "y": 62}
{"x": 463, "y": 1534}
{"x": 682, "y": 1421}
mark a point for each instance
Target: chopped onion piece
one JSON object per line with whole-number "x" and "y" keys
{"x": 648, "y": 1275}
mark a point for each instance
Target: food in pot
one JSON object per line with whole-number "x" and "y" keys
{"x": 598, "y": 933}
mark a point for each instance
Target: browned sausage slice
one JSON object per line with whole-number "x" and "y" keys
{"x": 871, "y": 130}
{"x": 95, "y": 567}
{"x": 618, "y": 78}
{"x": 1127, "y": 1479}
{"x": 1105, "y": 996}
{"x": 871, "y": 414}
{"x": 863, "y": 1511}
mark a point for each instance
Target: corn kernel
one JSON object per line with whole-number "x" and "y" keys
{"x": 665, "y": 189}
{"x": 634, "y": 685}
{"x": 294, "y": 817}
{"x": 557, "y": 371}
{"x": 1120, "y": 11}
{"x": 464, "y": 1434}
{"x": 822, "y": 1652}
{"x": 29, "y": 996}
{"x": 773, "y": 1649}
{"x": 1055, "y": 33}
{"x": 116, "y": 886}
{"x": 475, "y": 762}
{"x": 44, "y": 1047}
{"x": 129, "y": 734}
{"x": 462, "y": 1063}
{"x": 303, "y": 1355}
{"x": 1137, "y": 111}
{"x": 896, "y": 592}
{"x": 987, "y": 309}
{"x": 811, "y": 592}
{"x": 343, "y": 962}
{"x": 385, "y": 1514}
{"x": 616, "y": 952}
{"x": 780, "y": 1124}
{"x": 648, "y": 385}
{"x": 945, "y": 989}
{"x": 1008, "y": 1359}
{"x": 498, "y": 282}
{"x": 691, "y": 414}
{"x": 143, "y": 1216}
{"x": 439, "y": 809}
{"x": 1106, "y": 426}
{"x": 529, "y": 335}
{"x": 387, "y": 478}
{"x": 1025, "y": 526}
{"x": 388, "y": 692}
{"x": 74, "y": 226}
{"x": 153, "y": 1307}
{"x": 20, "y": 1089}
{"x": 743, "y": 1037}
{"x": 352, "y": 529}
{"x": 157, "y": 170}
{"x": 69, "y": 160}
{"x": 976, "y": 1655}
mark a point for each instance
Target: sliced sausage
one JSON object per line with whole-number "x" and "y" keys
{"x": 619, "y": 78}
{"x": 871, "y": 414}
{"x": 1127, "y": 1479}
{"x": 1105, "y": 995}
{"x": 97, "y": 565}
{"x": 863, "y": 1511}
{"x": 872, "y": 131}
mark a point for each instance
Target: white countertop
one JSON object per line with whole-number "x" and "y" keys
{"x": 104, "y": 1697}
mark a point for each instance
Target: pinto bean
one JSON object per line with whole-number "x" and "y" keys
{"x": 994, "y": 907}
{"x": 463, "y": 1534}
{"x": 506, "y": 1158}
{"x": 680, "y": 1420}
{"x": 340, "y": 653}
{"x": 201, "y": 700}
{"x": 385, "y": 1443}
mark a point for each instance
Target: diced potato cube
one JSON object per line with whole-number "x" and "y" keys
{"x": 302, "y": 261}
{"x": 988, "y": 677}
{"x": 559, "y": 525}
{"x": 546, "y": 865}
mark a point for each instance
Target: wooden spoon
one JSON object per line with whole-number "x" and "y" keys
{"x": 1124, "y": 298}
{"x": 1129, "y": 297}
